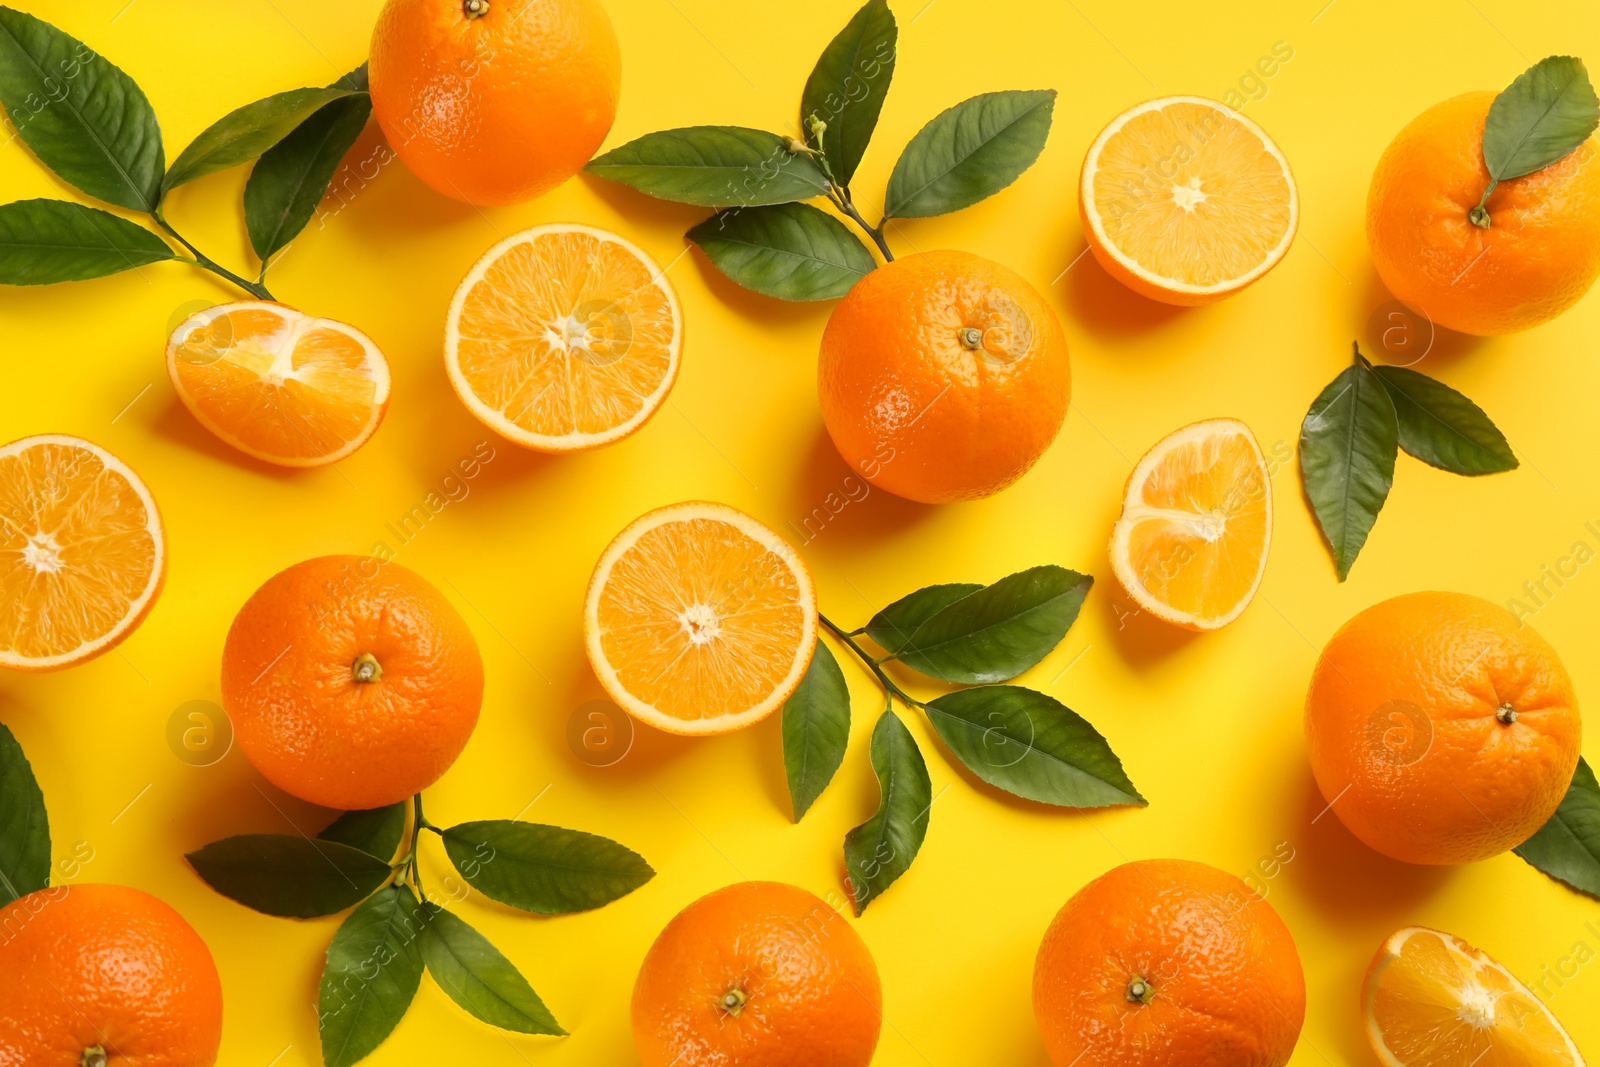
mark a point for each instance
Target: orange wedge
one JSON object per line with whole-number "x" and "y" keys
{"x": 700, "y": 620}
{"x": 1186, "y": 201}
{"x": 564, "y": 337}
{"x": 279, "y": 385}
{"x": 1432, "y": 1000}
{"x": 82, "y": 556}
{"x": 1190, "y": 546}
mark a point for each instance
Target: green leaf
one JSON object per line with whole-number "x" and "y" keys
{"x": 373, "y": 970}
{"x": 713, "y": 166}
{"x": 46, "y": 241}
{"x": 244, "y": 133}
{"x": 969, "y": 152}
{"x": 816, "y": 729}
{"x": 1348, "y": 445}
{"x": 1031, "y": 745}
{"x": 999, "y": 631}
{"x": 847, "y": 87}
{"x": 1567, "y": 847}
{"x": 882, "y": 848}
{"x": 84, "y": 118}
{"x": 377, "y": 831}
{"x": 543, "y": 869}
{"x": 892, "y": 627}
{"x": 1540, "y": 118}
{"x": 287, "y": 875}
{"x": 24, "y": 826}
{"x": 477, "y": 977}
{"x": 790, "y": 251}
{"x": 1441, "y": 427}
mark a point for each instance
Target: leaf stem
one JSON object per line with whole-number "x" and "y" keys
{"x": 840, "y": 195}
{"x": 1361, "y": 361}
{"x": 872, "y": 664}
{"x": 1479, "y": 216}
{"x": 205, "y": 262}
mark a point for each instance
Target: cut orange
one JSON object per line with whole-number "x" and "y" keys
{"x": 1190, "y": 546}
{"x": 700, "y": 620}
{"x": 564, "y": 337}
{"x": 1186, "y": 201}
{"x": 1432, "y": 1000}
{"x": 279, "y": 385}
{"x": 82, "y": 556}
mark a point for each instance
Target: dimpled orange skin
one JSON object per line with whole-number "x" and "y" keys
{"x": 1540, "y": 253}
{"x": 105, "y": 966}
{"x": 1225, "y": 986}
{"x": 300, "y": 715}
{"x": 914, "y": 411}
{"x": 1458, "y": 785}
{"x": 810, "y": 990}
{"x": 496, "y": 109}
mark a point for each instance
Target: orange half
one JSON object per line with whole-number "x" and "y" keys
{"x": 700, "y": 620}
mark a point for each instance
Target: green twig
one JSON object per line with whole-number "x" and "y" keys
{"x": 841, "y": 199}
{"x": 872, "y": 664}
{"x": 255, "y": 289}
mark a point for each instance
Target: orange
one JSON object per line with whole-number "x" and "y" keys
{"x": 1186, "y": 201}
{"x": 1190, "y": 546}
{"x": 494, "y": 101}
{"x": 1540, "y": 253}
{"x": 278, "y": 385}
{"x": 1432, "y": 1000}
{"x": 700, "y": 620}
{"x": 351, "y": 682}
{"x": 564, "y": 337}
{"x": 104, "y": 976}
{"x": 1440, "y": 728}
{"x": 82, "y": 553}
{"x": 1168, "y": 963}
{"x": 758, "y": 974}
{"x": 943, "y": 376}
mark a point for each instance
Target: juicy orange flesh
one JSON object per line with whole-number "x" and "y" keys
{"x": 1200, "y": 526}
{"x": 1190, "y": 194}
{"x": 75, "y": 550}
{"x": 283, "y": 384}
{"x": 700, "y": 620}
{"x": 566, "y": 334}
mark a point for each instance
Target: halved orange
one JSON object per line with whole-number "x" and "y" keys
{"x": 1190, "y": 546}
{"x": 82, "y": 556}
{"x": 1186, "y": 201}
{"x": 564, "y": 337}
{"x": 277, "y": 384}
{"x": 700, "y": 620}
{"x": 1432, "y": 1000}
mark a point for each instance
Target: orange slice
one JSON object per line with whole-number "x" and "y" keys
{"x": 279, "y": 385}
{"x": 82, "y": 556}
{"x": 1190, "y": 546}
{"x": 1186, "y": 201}
{"x": 700, "y": 620}
{"x": 1432, "y": 1000}
{"x": 564, "y": 337}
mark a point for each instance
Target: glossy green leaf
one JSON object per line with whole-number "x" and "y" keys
{"x": 1441, "y": 427}
{"x": 999, "y": 631}
{"x": 1567, "y": 847}
{"x": 892, "y": 627}
{"x": 789, "y": 251}
{"x": 1540, "y": 118}
{"x": 24, "y": 826}
{"x": 246, "y": 132}
{"x": 713, "y": 166}
{"x": 284, "y": 874}
{"x": 372, "y": 973}
{"x": 816, "y": 729}
{"x": 1348, "y": 444}
{"x": 544, "y": 869}
{"x": 847, "y": 87}
{"x": 969, "y": 152}
{"x": 47, "y": 241}
{"x": 881, "y": 849}
{"x": 479, "y": 978}
{"x": 376, "y": 831}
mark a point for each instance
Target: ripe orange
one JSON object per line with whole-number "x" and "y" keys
{"x": 943, "y": 377}
{"x": 758, "y": 974}
{"x": 1168, "y": 963}
{"x": 700, "y": 620}
{"x": 1440, "y": 728}
{"x": 494, "y": 102}
{"x": 278, "y": 385}
{"x": 351, "y": 682}
{"x": 1186, "y": 201}
{"x": 82, "y": 553}
{"x": 1540, "y": 253}
{"x": 97, "y": 975}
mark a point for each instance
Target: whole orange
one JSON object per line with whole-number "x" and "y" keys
{"x": 1168, "y": 963}
{"x": 1440, "y": 728}
{"x": 494, "y": 101}
{"x": 1540, "y": 253}
{"x": 758, "y": 974}
{"x": 943, "y": 376}
{"x": 351, "y": 682}
{"x": 104, "y": 975}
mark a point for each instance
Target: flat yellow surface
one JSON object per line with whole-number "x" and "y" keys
{"x": 1208, "y": 726}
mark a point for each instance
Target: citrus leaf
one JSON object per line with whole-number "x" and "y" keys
{"x": 476, "y": 976}
{"x": 1567, "y": 847}
{"x": 377, "y": 831}
{"x": 713, "y": 166}
{"x": 1443, "y": 428}
{"x": 882, "y": 848}
{"x": 83, "y": 117}
{"x": 1348, "y": 444}
{"x": 969, "y": 152}
{"x": 24, "y": 825}
{"x": 372, "y": 973}
{"x": 1540, "y": 118}
{"x": 244, "y": 133}
{"x": 892, "y": 627}
{"x": 789, "y": 251}
{"x": 543, "y": 869}
{"x": 999, "y": 631}
{"x": 816, "y": 729}
{"x": 847, "y": 86}
{"x": 287, "y": 875}
{"x": 47, "y": 241}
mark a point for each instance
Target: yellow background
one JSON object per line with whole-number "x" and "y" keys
{"x": 1208, "y": 726}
